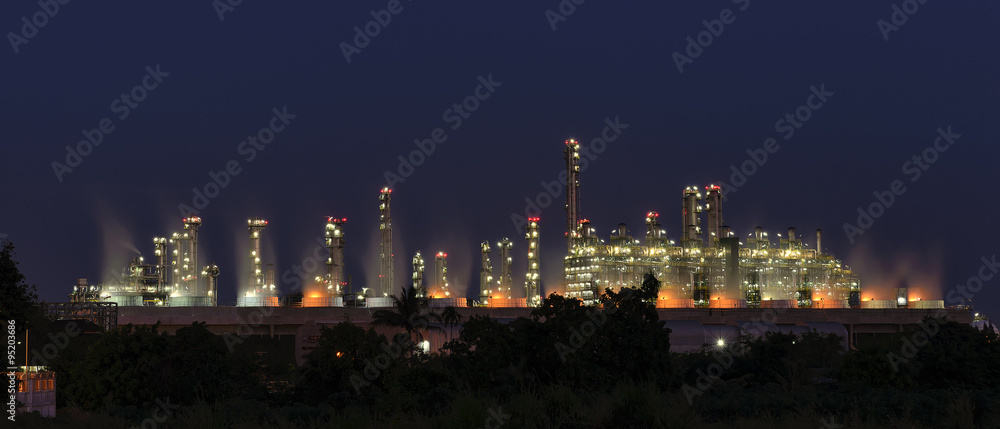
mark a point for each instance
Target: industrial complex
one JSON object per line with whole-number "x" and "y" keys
{"x": 710, "y": 267}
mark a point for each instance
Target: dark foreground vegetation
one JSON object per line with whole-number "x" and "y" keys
{"x": 566, "y": 366}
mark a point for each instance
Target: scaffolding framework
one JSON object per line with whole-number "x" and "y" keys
{"x": 103, "y": 314}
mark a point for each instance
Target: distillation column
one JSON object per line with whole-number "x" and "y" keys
{"x": 191, "y": 225}
{"x": 255, "y": 280}
{"x": 654, "y": 233}
{"x": 572, "y": 156}
{"x": 211, "y": 275}
{"x": 531, "y": 279}
{"x": 385, "y": 247}
{"x": 335, "y": 260}
{"x": 418, "y": 275}
{"x": 185, "y": 274}
{"x": 160, "y": 246}
{"x": 485, "y": 273}
{"x": 440, "y": 288}
{"x": 505, "y": 281}
{"x": 713, "y": 204}
{"x": 692, "y": 222}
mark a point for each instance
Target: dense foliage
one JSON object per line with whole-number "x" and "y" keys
{"x": 567, "y": 365}
{"x": 18, "y": 299}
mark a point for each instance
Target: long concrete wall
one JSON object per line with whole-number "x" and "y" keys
{"x": 306, "y": 323}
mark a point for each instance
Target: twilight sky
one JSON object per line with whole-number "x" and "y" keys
{"x": 197, "y": 87}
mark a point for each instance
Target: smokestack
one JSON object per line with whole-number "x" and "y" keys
{"x": 791, "y": 234}
{"x": 819, "y": 242}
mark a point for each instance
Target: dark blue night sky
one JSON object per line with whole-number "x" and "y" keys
{"x": 220, "y": 81}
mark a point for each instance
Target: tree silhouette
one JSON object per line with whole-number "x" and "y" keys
{"x": 451, "y": 318}
{"x": 20, "y": 300}
{"x": 410, "y": 313}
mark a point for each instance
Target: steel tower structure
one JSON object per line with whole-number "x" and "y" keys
{"x": 713, "y": 204}
{"x": 531, "y": 279}
{"x": 385, "y": 246}
{"x": 418, "y": 275}
{"x": 211, "y": 276}
{"x": 255, "y": 280}
{"x": 505, "y": 280}
{"x": 162, "y": 267}
{"x": 185, "y": 261}
{"x": 572, "y": 156}
{"x": 485, "y": 273}
{"x": 335, "y": 260}
{"x": 440, "y": 287}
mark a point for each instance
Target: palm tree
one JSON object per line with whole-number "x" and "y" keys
{"x": 450, "y": 317}
{"x": 410, "y": 313}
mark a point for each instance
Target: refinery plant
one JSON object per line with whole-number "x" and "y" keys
{"x": 707, "y": 267}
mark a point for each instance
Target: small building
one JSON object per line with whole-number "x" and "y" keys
{"x": 36, "y": 391}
